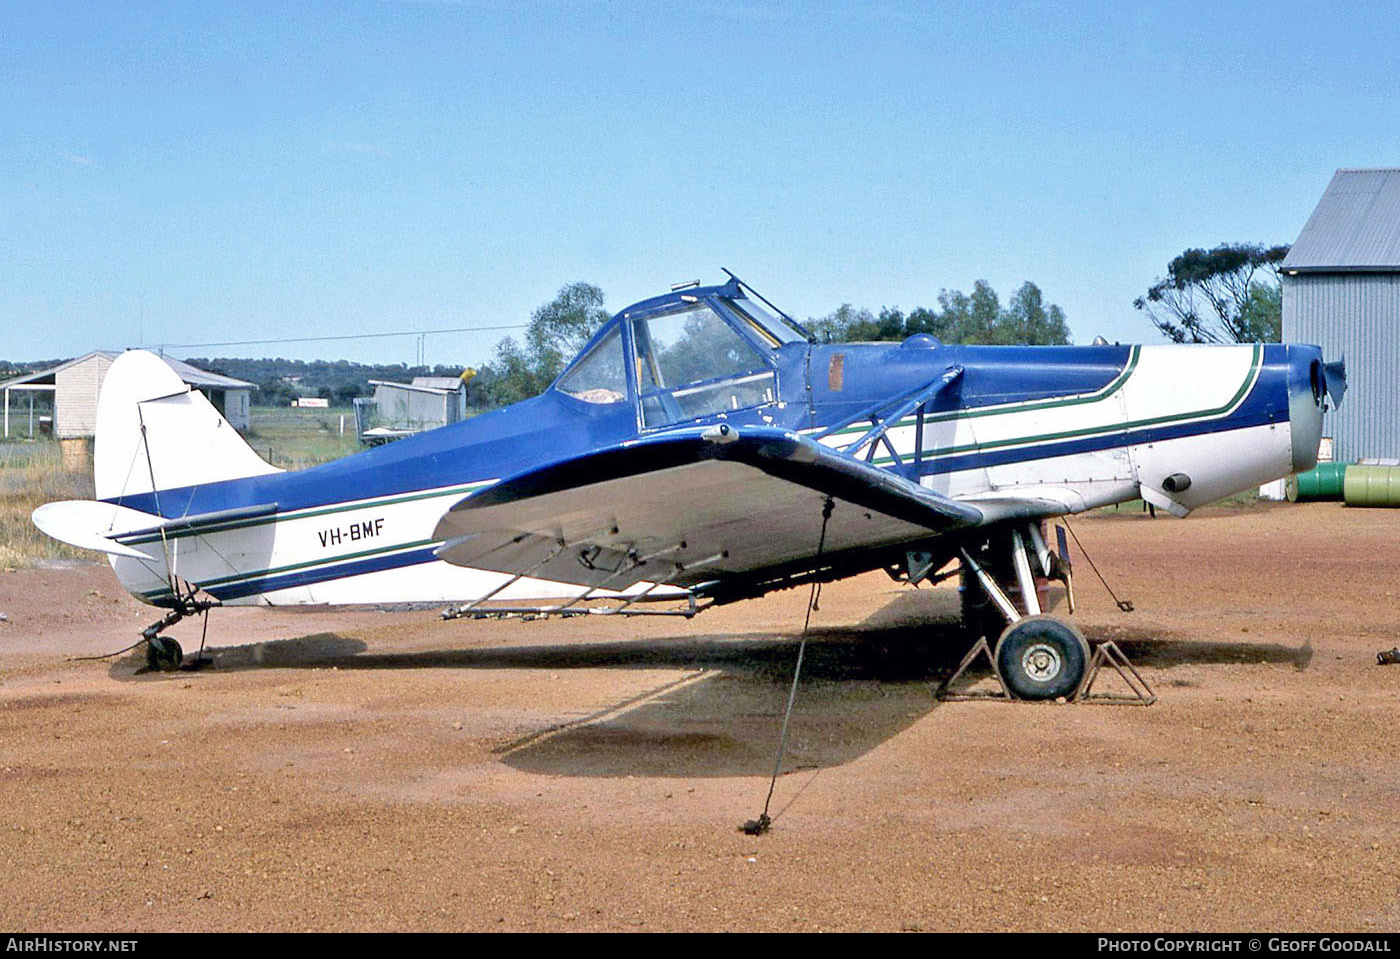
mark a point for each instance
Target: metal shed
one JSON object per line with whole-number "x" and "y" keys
{"x": 1341, "y": 290}
{"x": 75, "y": 385}
{"x": 402, "y": 409}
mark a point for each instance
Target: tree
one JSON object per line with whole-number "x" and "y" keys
{"x": 977, "y": 317}
{"x": 845, "y": 323}
{"x": 1261, "y": 317}
{"x": 1217, "y": 296}
{"x": 346, "y": 393}
{"x": 560, "y": 328}
{"x": 512, "y": 376}
{"x": 971, "y": 319}
{"x": 557, "y": 331}
{"x": 1028, "y": 320}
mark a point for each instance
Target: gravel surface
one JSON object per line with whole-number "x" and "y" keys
{"x": 370, "y": 770}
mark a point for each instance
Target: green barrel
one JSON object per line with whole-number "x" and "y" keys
{"x": 1373, "y": 486}
{"x": 1326, "y": 481}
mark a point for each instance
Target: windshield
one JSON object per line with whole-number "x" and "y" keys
{"x": 768, "y": 326}
{"x": 692, "y": 363}
{"x": 601, "y": 376}
{"x": 689, "y": 347}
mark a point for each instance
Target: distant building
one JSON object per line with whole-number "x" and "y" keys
{"x": 74, "y": 387}
{"x": 402, "y": 409}
{"x": 1341, "y": 290}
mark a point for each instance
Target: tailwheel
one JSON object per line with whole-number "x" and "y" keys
{"x": 163, "y": 654}
{"x": 1041, "y": 657}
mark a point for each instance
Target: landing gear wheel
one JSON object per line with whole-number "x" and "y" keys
{"x": 1041, "y": 657}
{"x": 163, "y": 655}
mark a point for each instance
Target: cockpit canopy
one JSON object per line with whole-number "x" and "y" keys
{"x": 683, "y": 357}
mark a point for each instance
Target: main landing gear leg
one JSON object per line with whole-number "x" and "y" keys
{"x": 1036, "y": 656}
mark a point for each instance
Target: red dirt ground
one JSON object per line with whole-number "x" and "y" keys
{"x": 368, "y": 770}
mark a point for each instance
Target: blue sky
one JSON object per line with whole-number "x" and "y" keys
{"x": 191, "y": 172}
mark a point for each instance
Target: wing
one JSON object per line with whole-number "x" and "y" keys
{"x": 689, "y": 507}
{"x": 1036, "y": 501}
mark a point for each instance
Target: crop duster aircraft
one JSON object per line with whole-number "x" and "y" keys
{"x": 704, "y": 447}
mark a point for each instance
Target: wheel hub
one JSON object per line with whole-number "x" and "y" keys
{"x": 1041, "y": 662}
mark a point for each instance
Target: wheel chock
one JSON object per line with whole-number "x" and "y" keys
{"x": 1108, "y": 653}
{"x": 980, "y": 648}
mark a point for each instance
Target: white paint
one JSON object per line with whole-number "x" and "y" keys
{"x": 186, "y": 441}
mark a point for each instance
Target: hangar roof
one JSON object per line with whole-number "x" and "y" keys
{"x": 1355, "y": 226}
{"x": 192, "y": 375}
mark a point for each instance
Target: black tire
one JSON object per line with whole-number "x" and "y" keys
{"x": 1041, "y": 657}
{"x": 163, "y": 655}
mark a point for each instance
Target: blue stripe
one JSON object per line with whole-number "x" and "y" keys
{"x": 1251, "y": 414}
{"x": 310, "y": 577}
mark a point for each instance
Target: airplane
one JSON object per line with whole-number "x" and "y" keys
{"x": 704, "y": 448}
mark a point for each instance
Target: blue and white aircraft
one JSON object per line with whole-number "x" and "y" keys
{"x": 703, "y": 447}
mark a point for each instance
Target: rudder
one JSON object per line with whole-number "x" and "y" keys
{"x": 154, "y": 432}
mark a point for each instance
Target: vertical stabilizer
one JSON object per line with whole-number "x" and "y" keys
{"x": 154, "y": 432}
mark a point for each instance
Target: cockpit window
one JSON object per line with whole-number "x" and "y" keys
{"x": 601, "y": 376}
{"x": 691, "y": 363}
{"x": 691, "y": 346}
{"x": 765, "y": 324}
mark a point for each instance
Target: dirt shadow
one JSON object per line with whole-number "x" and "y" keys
{"x": 1159, "y": 651}
{"x": 913, "y": 637}
{"x": 898, "y": 654}
{"x": 720, "y": 716}
{"x": 727, "y": 724}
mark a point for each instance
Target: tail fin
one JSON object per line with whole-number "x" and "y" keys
{"x": 155, "y": 433}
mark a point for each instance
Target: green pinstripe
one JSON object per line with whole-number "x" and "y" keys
{"x": 293, "y": 567}
{"x": 198, "y": 530}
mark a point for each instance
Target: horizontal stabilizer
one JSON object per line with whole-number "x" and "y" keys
{"x": 686, "y": 507}
{"x": 88, "y": 524}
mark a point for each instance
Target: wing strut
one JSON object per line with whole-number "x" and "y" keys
{"x": 887, "y": 414}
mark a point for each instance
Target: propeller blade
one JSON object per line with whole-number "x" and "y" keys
{"x": 1334, "y": 378}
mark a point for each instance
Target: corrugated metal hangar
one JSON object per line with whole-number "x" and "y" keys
{"x": 74, "y": 387}
{"x": 1341, "y": 290}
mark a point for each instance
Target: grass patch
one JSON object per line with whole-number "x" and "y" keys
{"x": 32, "y": 474}
{"x": 1236, "y": 502}
{"x": 293, "y": 438}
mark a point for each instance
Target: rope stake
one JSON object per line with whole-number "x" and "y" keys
{"x": 1126, "y": 605}
{"x": 759, "y": 826}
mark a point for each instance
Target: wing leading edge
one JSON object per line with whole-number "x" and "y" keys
{"x": 688, "y": 507}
